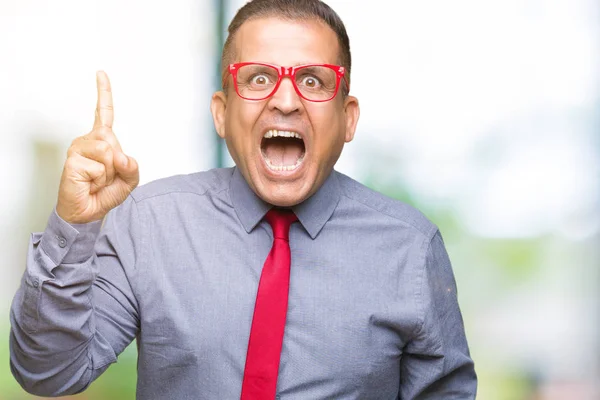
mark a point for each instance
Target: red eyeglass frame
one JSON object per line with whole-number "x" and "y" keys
{"x": 290, "y": 72}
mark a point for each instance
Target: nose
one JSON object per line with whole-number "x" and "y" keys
{"x": 285, "y": 99}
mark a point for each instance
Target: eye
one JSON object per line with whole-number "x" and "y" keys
{"x": 311, "y": 82}
{"x": 260, "y": 80}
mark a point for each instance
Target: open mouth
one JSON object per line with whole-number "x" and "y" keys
{"x": 282, "y": 150}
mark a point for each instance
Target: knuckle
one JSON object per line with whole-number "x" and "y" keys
{"x": 71, "y": 164}
{"x": 102, "y": 146}
{"x": 101, "y": 170}
{"x": 108, "y": 156}
{"x": 97, "y": 173}
{"x": 75, "y": 144}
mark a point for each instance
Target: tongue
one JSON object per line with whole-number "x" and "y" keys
{"x": 283, "y": 151}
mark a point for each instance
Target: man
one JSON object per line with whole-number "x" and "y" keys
{"x": 279, "y": 278}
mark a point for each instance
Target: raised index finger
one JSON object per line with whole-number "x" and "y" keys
{"x": 104, "y": 105}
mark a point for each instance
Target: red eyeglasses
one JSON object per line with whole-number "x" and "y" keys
{"x": 313, "y": 82}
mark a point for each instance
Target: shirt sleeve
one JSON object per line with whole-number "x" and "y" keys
{"x": 68, "y": 322}
{"x": 436, "y": 364}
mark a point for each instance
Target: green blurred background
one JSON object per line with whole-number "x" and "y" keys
{"x": 483, "y": 114}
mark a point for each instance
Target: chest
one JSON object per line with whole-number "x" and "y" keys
{"x": 346, "y": 319}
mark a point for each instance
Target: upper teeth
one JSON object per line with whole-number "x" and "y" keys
{"x": 275, "y": 133}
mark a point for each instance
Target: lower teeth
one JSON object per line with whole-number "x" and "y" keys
{"x": 284, "y": 167}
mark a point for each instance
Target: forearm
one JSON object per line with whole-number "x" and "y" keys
{"x": 55, "y": 349}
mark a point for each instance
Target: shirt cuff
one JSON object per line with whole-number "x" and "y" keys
{"x": 66, "y": 243}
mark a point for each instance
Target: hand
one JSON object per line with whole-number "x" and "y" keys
{"x": 97, "y": 175}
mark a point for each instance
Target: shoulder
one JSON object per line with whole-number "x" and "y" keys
{"x": 199, "y": 183}
{"x": 381, "y": 206}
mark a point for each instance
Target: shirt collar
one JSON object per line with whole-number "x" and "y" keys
{"x": 312, "y": 213}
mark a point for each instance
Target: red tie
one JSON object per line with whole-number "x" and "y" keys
{"x": 268, "y": 322}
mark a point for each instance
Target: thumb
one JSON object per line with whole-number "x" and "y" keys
{"x": 127, "y": 168}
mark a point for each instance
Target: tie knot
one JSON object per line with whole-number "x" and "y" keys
{"x": 280, "y": 221}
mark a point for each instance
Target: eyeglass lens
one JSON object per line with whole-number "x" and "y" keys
{"x": 314, "y": 82}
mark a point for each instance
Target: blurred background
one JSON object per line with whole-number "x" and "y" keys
{"x": 485, "y": 114}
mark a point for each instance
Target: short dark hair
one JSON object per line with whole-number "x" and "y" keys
{"x": 292, "y": 10}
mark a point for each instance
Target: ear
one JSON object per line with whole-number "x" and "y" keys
{"x": 352, "y": 111}
{"x": 218, "y": 105}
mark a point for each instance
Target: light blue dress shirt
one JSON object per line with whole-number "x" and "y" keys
{"x": 372, "y": 314}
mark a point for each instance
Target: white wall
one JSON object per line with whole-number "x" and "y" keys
{"x": 159, "y": 56}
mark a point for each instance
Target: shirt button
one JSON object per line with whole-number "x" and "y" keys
{"x": 62, "y": 242}
{"x": 36, "y": 282}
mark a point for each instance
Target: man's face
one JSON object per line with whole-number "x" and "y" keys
{"x": 285, "y": 171}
